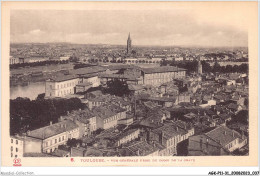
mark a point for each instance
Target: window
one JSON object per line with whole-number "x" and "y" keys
{"x": 58, "y": 86}
{"x": 46, "y": 144}
{"x": 11, "y": 140}
{"x": 15, "y": 156}
{"x": 16, "y": 141}
{"x": 16, "y": 149}
{"x": 55, "y": 141}
{"x": 63, "y": 138}
{"x": 11, "y": 154}
{"x": 59, "y": 139}
{"x": 11, "y": 148}
{"x": 51, "y": 142}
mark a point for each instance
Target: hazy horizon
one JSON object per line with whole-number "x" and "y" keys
{"x": 179, "y": 28}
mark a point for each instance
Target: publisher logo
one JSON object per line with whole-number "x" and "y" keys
{"x": 17, "y": 162}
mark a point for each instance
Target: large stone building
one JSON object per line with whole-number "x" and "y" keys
{"x": 219, "y": 141}
{"x": 78, "y": 81}
{"x": 61, "y": 86}
{"x": 82, "y": 79}
{"x": 52, "y": 136}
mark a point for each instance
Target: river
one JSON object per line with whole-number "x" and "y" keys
{"x": 30, "y": 91}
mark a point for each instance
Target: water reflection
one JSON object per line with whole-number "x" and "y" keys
{"x": 30, "y": 91}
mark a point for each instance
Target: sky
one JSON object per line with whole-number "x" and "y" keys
{"x": 181, "y": 27}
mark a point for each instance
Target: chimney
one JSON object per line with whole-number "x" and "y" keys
{"x": 177, "y": 128}
{"x": 225, "y": 132}
{"x": 200, "y": 143}
{"x": 233, "y": 133}
{"x": 161, "y": 138}
{"x": 138, "y": 153}
{"x": 50, "y": 123}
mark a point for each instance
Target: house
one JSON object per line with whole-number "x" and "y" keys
{"x": 170, "y": 134}
{"x": 17, "y": 146}
{"x": 95, "y": 99}
{"x": 140, "y": 148}
{"x": 83, "y": 87}
{"x": 21, "y": 145}
{"x": 127, "y": 136}
{"x": 108, "y": 115}
{"x": 55, "y": 134}
{"x": 61, "y": 86}
{"x": 219, "y": 141}
{"x": 85, "y": 119}
{"x": 127, "y": 121}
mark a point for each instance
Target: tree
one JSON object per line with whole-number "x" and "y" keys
{"x": 74, "y": 142}
{"x": 73, "y": 58}
{"x": 117, "y": 87}
{"x": 163, "y": 62}
{"x": 40, "y": 96}
{"x": 26, "y": 114}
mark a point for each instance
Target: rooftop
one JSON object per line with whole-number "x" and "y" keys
{"x": 223, "y": 135}
{"x": 63, "y": 78}
{"x": 162, "y": 69}
{"x": 107, "y": 110}
{"x": 141, "y": 147}
{"x": 88, "y": 70}
{"x": 52, "y": 130}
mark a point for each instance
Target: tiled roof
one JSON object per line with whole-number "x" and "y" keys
{"x": 88, "y": 70}
{"x": 121, "y": 66}
{"x": 164, "y": 99}
{"x": 126, "y": 133}
{"x": 52, "y": 130}
{"x": 142, "y": 147}
{"x": 63, "y": 78}
{"x": 107, "y": 110}
{"x": 223, "y": 135}
{"x": 170, "y": 130}
{"x": 162, "y": 69}
{"x": 84, "y": 84}
{"x": 82, "y": 115}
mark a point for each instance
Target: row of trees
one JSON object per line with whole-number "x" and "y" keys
{"x": 49, "y": 62}
{"x": 26, "y": 114}
{"x": 207, "y": 68}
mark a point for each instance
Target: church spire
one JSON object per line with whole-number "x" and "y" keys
{"x": 129, "y": 47}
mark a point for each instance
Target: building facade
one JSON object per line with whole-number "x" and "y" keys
{"x": 160, "y": 75}
{"x": 108, "y": 115}
{"x": 55, "y": 134}
{"x": 61, "y": 86}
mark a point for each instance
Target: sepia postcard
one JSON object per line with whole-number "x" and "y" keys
{"x": 129, "y": 84}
